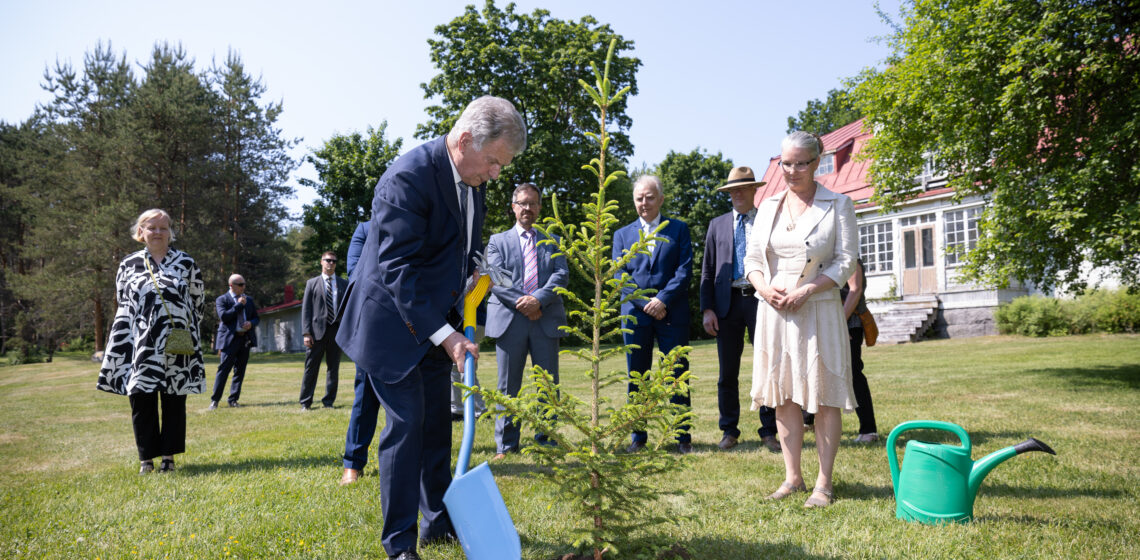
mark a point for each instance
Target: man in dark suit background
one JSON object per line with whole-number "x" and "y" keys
{"x": 318, "y": 323}
{"x": 402, "y": 308}
{"x": 237, "y": 317}
{"x": 668, "y": 269}
{"x": 728, "y": 304}
{"x": 524, "y": 317}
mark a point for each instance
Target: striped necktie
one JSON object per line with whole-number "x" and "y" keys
{"x": 530, "y": 283}
{"x": 330, "y": 307}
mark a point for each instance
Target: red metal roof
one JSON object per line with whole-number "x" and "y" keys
{"x": 849, "y": 177}
{"x": 279, "y": 307}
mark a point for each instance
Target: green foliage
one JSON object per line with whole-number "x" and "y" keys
{"x": 821, "y": 117}
{"x": 1034, "y": 105}
{"x": 607, "y": 490}
{"x": 348, "y": 168}
{"x": 1116, "y": 311}
{"x": 534, "y": 61}
{"x": 199, "y": 144}
{"x": 690, "y": 181}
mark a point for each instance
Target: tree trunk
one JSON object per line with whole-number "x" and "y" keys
{"x": 100, "y": 337}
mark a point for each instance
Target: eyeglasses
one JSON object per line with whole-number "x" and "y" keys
{"x": 329, "y": 260}
{"x": 527, "y": 205}
{"x": 797, "y": 165}
{"x": 238, "y": 284}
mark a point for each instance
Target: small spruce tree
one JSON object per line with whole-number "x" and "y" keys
{"x": 607, "y": 488}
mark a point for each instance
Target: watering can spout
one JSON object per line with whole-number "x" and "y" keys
{"x": 983, "y": 466}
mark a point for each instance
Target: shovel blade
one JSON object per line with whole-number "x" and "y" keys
{"x": 480, "y": 517}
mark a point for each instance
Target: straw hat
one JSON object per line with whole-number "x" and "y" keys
{"x": 740, "y": 177}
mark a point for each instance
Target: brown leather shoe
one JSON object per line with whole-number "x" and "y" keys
{"x": 350, "y": 476}
{"x": 728, "y": 442}
{"x": 771, "y": 443}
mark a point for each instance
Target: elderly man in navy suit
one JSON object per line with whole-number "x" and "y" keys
{"x": 237, "y": 317}
{"x": 403, "y": 306}
{"x": 668, "y": 268}
{"x": 524, "y": 317}
{"x": 728, "y": 304}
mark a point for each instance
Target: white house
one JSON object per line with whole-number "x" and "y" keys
{"x": 911, "y": 254}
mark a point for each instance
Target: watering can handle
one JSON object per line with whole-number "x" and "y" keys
{"x": 892, "y": 456}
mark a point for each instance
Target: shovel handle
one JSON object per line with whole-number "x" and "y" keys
{"x": 468, "y": 410}
{"x": 892, "y": 456}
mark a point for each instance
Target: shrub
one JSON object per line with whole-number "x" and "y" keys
{"x": 1114, "y": 312}
{"x": 1032, "y": 316}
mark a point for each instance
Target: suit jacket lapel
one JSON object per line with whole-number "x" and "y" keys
{"x": 819, "y": 207}
{"x": 725, "y": 237}
{"x": 445, "y": 180}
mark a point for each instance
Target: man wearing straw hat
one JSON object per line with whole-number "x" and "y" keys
{"x": 728, "y": 304}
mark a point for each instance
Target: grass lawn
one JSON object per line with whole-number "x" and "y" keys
{"x": 261, "y": 481}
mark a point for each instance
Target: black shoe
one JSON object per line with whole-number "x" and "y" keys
{"x": 306, "y": 408}
{"x": 684, "y": 448}
{"x": 213, "y": 405}
{"x": 234, "y": 404}
{"x": 442, "y": 539}
{"x": 406, "y": 555}
{"x": 326, "y": 406}
{"x": 146, "y": 467}
{"x": 167, "y": 466}
{"x": 635, "y": 447}
{"x": 728, "y": 442}
{"x": 456, "y": 416}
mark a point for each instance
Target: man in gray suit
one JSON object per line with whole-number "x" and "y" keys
{"x": 525, "y": 316}
{"x": 318, "y": 315}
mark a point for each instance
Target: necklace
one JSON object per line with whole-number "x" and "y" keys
{"x": 792, "y": 219}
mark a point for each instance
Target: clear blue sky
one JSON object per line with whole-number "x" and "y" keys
{"x": 719, "y": 75}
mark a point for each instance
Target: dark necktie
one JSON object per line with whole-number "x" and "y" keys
{"x": 740, "y": 245}
{"x": 330, "y": 309}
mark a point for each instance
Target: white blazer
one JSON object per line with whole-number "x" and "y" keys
{"x": 832, "y": 241}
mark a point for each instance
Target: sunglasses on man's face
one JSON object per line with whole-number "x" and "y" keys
{"x": 329, "y": 260}
{"x": 238, "y": 284}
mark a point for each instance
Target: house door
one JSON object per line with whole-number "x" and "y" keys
{"x": 920, "y": 276}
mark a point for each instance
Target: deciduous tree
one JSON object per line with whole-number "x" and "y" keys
{"x": 1032, "y": 104}
{"x": 348, "y": 168}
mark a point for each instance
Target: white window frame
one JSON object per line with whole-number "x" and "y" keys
{"x": 826, "y": 164}
{"x": 877, "y": 246}
{"x": 960, "y": 229}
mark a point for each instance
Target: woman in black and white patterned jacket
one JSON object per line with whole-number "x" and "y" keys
{"x": 136, "y": 363}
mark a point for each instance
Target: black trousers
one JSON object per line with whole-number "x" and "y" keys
{"x": 152, "y": 438}
{"x": 235, "y": 360}
{"x": 729, "y": 346}
{"x": 864, "y": 406}
{"x": 324, "y": 348}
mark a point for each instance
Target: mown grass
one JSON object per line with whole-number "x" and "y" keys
{"x": 261, "y": 481}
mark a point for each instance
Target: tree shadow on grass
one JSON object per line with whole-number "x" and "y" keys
{"x": 256, "y": 464}
{"x": 1012, "y": 491}
{"x": 701, "y": 547}
{"x": 1106, "y": 377}
{"x": 860, "y": 491}
{"x": 1052, "y": 521}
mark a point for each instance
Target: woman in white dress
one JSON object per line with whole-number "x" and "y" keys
{"x": 803, "y": 246}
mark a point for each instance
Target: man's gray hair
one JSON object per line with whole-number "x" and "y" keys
{"x": 650, "y": 180}
{"x": 489, "y": 118}
{"x": 805, "y": 140}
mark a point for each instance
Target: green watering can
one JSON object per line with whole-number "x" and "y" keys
{"x": 939, "y": 482}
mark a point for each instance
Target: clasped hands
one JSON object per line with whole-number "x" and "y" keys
{"x": 782, "y": 300}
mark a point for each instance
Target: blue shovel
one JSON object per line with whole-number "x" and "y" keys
{"x": 473, "y": 500}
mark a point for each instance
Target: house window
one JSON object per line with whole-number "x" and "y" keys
{"x": 826, "y": 164}
{"x": 915, "y": 220}
{"x": 877, "y": 247}
{"x": 961, "y": 233}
